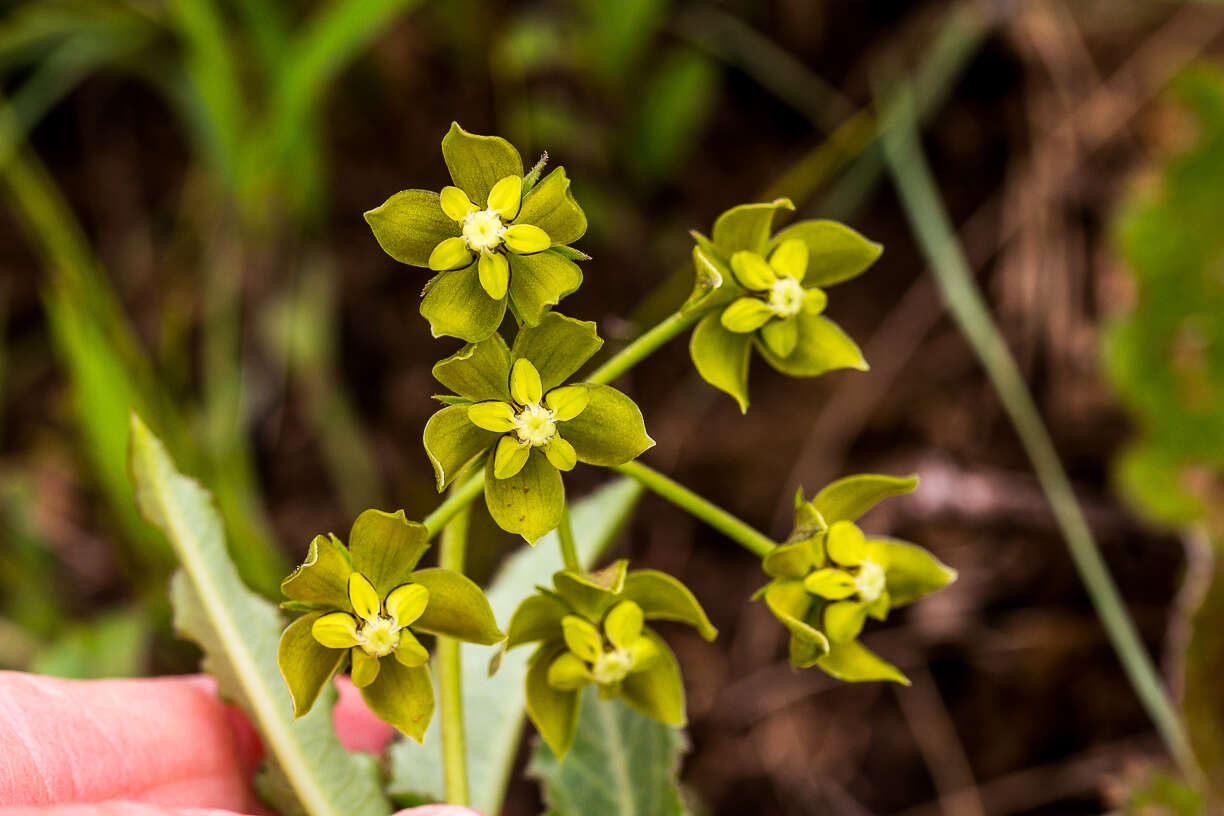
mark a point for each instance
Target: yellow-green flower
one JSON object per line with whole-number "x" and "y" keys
{"x": 497, "y": 237}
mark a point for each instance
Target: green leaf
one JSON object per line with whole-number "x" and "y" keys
{"x": 557, "y": 347}
{"x": 457, "y": 608}
{"x": 835, "y": 252}
{"x": 238, "y": 632}
{"x": 540, "y": 281}
{"x": 747, "y": 226}
{"x": 386, "y": 546}
{"x": 456, "y": 305}
{"x": 848, "y": 498}
{"x": 722, "y": 358}
{"x": 610, "y": 430}
{"x": 451, "y": 441}
{"x": 476, "y": 163}
{"x": 551, "y": 206}
{"x": 538, "y": 617}
{"x": 478, "y": 371}
{"x": 530, "y": 502}
{"x": 621, "y": 764}
{"x": 855, "y": 663}
{"x": 909, "y": 571}
{"x": 323, "y": 577}
{"x": 401, "y": 696}
{"x": 822, "y": 347}
{"x": 493, "y": 737}
{"x": 554, "y": 712}
{"x": 662, "y": 597}
{"x": 657, "y": 692}
{"x": 672, "y": 106}
{"x": 305, "y": 663}
{"x": 409, "y": 224}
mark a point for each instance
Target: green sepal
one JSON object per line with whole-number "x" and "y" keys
{"x": 591, "y": 593}
{"x": 557, "y": 347}
{"x": 451, "y": 441}
{"x": 848, "y": 498}
{"x": 780, "y": 336}
{"x": 658, "y": 691}
{"x": 476, "y": 163}
{"x": 790, "y": 603}
{"x": 451, "y": 399}
{"x": 793, "y": 560}
{"x": 322, "y": 579}
{"x": 835, "y": 252}
{"x": 821, "y": 347}
{"x": 909, "y": 570}
{"x": 456, "y": 305}
{"x": 713, "y": 285}
{"x": 569, "y": 253}
{"x": 662, "y": 597}
{"x": 747, "y": 226}
{"x": 722, "y": 358}
{"x": 478, "y": 371}
{"x": 305, "y": 663}
{"x": 409, "y": 224}
{"x": 457, "y": 608}
{"x": 551, "y": 206}
{"x": 855, "y": 663}
{"x": 554, "y": 712}
{"x": 530, "y": 502}
{"x": 540, "y": 281}
{"x": 538, "y": 617}
{"x": 385, "y": 547}
{"x": 610, "y": 430}
{"x": 401, "y": 697}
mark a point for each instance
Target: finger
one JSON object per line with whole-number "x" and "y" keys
{"x": 111, "y": 809}
{"x": 166, "y": 741}
{"x": 423, "y": 810}
{"x": 356, "y": 726}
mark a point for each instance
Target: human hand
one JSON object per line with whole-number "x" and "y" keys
{"x": 162, "y": 746}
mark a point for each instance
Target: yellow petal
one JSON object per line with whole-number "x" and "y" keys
{"x": 335, "y": 630}
{"x": 363, "y": 597}
{"x": 407, "y": 602}
{"x": 492, "y": 416}
{"x": 623, "y": 624}
{"x": 450, "y": 254}
{"x": 582, "y": 637}
{"x": 790, "y": 259}
{"x": 510, "y": 457}
{"x": 410, "y": 652}
{"x": 745, "y": 315}
{"x": 814, "y": 301}
{"x": 567, "y": 402}
{"x": 494, "y": 272}
{"x": 456, "y": 204}
{"x": 506, "y": 197}
{"x": 525, "y": 385}
{"x": 365, "y": 669}
{"x": 561, "y": 454}
{"x": 524, "y": 239}
{"x": 568, "y": 673}
{"x": 751, "y": 271}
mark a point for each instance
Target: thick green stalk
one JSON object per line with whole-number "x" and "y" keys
{"x": 458, "y": 498}
{"x": 933, "y": 230}
{"x": 565, "y": 534}
{"x": 644, "y": 346}
{"x": 450, "y": 674}
{"x": 733, "y": 528}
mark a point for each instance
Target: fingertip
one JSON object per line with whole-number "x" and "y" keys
{"x": 359, "y": 730}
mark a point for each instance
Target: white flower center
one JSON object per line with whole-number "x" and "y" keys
{"x": 379, "y": 636}
{"x": 870, "y": 580}
{"x": 535, "y": 425}
{"x": 612, "y": 667}
{"x": 483, "y": 230}
{"x": 786, "y": 297}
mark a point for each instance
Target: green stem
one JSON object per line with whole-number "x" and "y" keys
{"x": 933, "y": 230}
{"x": 450, "y": 674}
{"x": 643, "y": 347}
{"x": 565, "y": 534}
{"x": 458, "y": 498}
{"x": 733, "y": 528}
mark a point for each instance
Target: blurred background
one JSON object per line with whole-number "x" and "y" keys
{"x": 182, "y": 233}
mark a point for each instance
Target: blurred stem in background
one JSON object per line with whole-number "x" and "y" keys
{"x": 452, "y": 556}
{"x": 933, "y": 231}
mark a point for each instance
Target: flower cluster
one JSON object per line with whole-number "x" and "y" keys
{"x": 829, "y": 577}
{"x": 591, "y": 630}
{"x": 362, "y": 604}
{"x": 768, "y": 293}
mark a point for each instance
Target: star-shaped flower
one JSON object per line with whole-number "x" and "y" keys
{"x": 768, "y": 292}
{"x": 496, "y": 238}
{"x": 363, "y": 603}
{"x": 514, "y": 415}
{"x": 591, "y": 630}
{"x": 828, "y": 578}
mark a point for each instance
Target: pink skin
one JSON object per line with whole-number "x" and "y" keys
{"x": 163, "y": 746}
